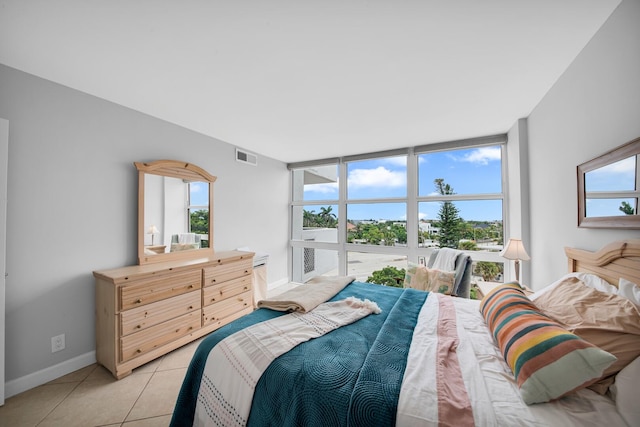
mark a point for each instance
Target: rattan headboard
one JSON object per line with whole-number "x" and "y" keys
{"x": 615, "y": 260}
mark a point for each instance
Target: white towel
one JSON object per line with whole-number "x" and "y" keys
{"x": 445, "y": 259}
{"x": 187, "y": 238}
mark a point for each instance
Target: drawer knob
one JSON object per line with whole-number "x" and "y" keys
{"x": 190, "y": 307}
{"x": 190, "y": 286}
{"x": 138, "y": 301}
{"x": 138, "y": 351}
{"x": 245, "y": 288}
{"x": 138, "y": 327}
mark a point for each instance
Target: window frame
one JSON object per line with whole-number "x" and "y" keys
{"x": 412, "y": 200}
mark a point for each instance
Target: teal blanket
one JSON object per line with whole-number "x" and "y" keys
{"x": 349, "y": 377}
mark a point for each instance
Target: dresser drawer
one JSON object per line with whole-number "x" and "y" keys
{"x": 148, "y": 290}
{"x": 216, "y": 274}
{"x": 144, "y": 341}
{"x": 218, "y": 311}
{"x": 217, "y": 293}
{"x": 140, "y": 318}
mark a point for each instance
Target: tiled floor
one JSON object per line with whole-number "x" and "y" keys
{"x": 91, "y": 397}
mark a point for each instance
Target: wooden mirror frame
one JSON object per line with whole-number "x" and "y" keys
{"x": 629, "y": 149}
{"x": 175, "y": 169}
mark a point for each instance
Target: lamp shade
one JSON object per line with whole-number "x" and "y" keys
{"x": 152, "y": 230}
{"x": 515, "y": 250}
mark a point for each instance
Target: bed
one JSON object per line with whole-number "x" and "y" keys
{"x": 429, "y": 359}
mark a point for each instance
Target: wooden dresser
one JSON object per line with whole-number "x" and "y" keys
{"x": 146, "y": 311}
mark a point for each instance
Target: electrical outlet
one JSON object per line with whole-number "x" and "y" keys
{"x": 57, "y": 343}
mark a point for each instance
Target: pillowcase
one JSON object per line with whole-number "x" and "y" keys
{"x": 608, "y": 321}
{"x": 624, "y": 392}
{"x": 548, "y": 361}
{"x": 429, "y": 279}
{"x": 629, "y": 290}
{"x": 590, "y": 280}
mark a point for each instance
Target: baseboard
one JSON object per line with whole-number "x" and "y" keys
{"x": 19, "y": 385}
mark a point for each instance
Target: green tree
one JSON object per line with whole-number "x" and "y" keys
{"x": 449, "y": 218}
{"x": 308, "y": 218}
{"x": 200, "y": 221}
{"x": 468, "y": 245}
{"x": 626, "y": 208}
{"x": 327, "y": 218}
{"x": 488, "y": 270}
{"x": 199, "y": 224}
{"x": 388, "y": 276}
{"x": 324, "y": 219}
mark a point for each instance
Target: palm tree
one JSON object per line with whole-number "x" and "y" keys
{"x": 326, "y": 217}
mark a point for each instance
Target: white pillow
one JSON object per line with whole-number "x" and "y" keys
{"x": 591, "y": 280}
{"x": 624, "y": 392}
{"x": 629, "y": 290}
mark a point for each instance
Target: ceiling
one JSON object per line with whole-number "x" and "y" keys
{"x": 300, "y": 80}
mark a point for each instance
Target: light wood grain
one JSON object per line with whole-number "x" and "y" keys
{"x": 146, "y": 311}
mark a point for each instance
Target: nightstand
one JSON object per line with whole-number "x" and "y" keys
{"x": 159, "y": 249}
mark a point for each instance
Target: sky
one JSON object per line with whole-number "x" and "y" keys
{"x": 469, "y": 171}
{"x": 618, "y": 176}
{"x": 199, "y": 193}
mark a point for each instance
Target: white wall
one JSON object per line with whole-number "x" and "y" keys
{"x": 517, "y": 183}
{"x": 594, "y": 107}
{"x": 72, "y": 209}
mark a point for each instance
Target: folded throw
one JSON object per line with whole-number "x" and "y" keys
{"x": 304, "y": 298}
{"x": 445, "y": 259}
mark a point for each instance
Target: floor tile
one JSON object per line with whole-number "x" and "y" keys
{"x": 159, "y": 397}
{"x": 162, "y": 421}
{"x": 179, "y": 358}
{"x": 29, "y": 408}
{"x": 99, "y": 400}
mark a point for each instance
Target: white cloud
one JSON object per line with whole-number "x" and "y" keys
{"x": 196, "y": 187}
{"x": 624, "y": 167}
{"x": 422, "y": 215}
{"x": 328, "y": 188}
{"x": 482, "y": 155}
{"x": 378, "y": 177}
{"x": 400, "y": 161}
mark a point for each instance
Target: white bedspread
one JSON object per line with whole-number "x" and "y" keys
{"x": 488, "y": 384}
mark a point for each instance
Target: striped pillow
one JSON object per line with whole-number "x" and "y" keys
{"x": 547, "y": 360}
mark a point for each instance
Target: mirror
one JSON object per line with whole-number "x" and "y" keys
{"x": 608, "y": 189}
{"x": 175, "y": 211}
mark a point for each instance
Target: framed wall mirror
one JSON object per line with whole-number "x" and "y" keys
{"x": 175, "y": 211}
{"x": 609, "y": 189}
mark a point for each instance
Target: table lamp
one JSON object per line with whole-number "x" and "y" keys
{"x": 152, "y": 230}
{"x": 515, "y": 250}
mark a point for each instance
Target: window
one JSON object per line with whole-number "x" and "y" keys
{"x": 198, "y": 211}
{"x": 610, "y": 190}
{"x": 395, "y": 207}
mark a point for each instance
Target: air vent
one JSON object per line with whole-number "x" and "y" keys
{"x": 246, "y": 157}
